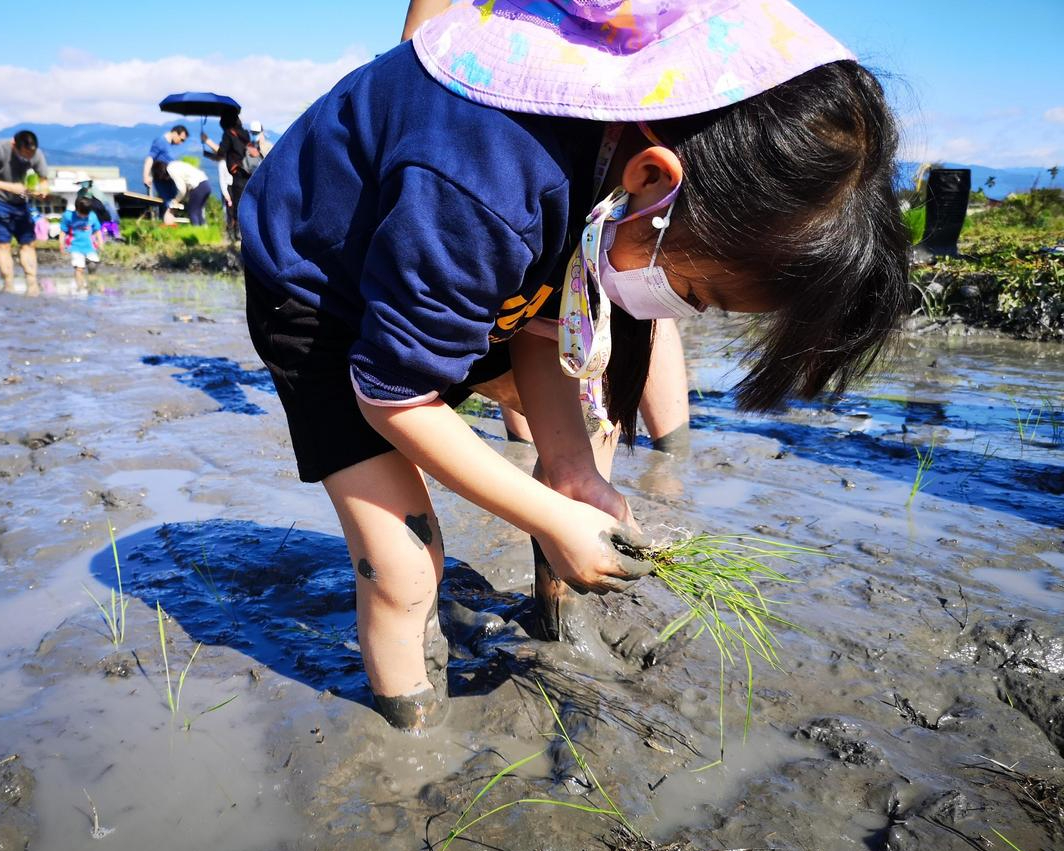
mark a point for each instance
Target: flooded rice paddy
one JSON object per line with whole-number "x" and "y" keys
{"x": 929, "y": 644}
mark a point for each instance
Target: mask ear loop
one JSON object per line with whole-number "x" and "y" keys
{"x": 661, "y": 223}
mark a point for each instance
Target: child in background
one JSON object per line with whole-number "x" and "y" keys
{"x": 81, "y": 237}
{"x": 423, "y": 232}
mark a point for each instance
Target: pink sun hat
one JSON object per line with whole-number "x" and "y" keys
{"x": 620, "y": 60}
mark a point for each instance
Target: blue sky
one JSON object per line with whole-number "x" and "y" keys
{"x": 978, "y": 85}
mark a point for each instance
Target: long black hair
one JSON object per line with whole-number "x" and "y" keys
{"x": 791, "y": 191}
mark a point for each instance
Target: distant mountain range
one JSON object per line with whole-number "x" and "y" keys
{"x": 126, "y": 147}
{"x": 1006, "y": 180}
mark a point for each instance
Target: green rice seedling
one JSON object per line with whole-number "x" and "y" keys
{"x": 716, "y": 577}
{"x": 461, "y": 826}
{"x": 115, "y": 619}
{"x": 188, "y": 721}
{"x": 988, "y": 453}
{"x": 1025, "y": 428}
{"x": 174, "y": 699}
{"x": 924, "y": 461}
{"x": 1055, "y": 418}
{"x": 1006, "y": 840}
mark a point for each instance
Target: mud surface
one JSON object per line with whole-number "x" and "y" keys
{"x": 919, "y": 705}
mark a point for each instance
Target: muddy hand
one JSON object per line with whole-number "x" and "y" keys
{"x": 633, "y": 551}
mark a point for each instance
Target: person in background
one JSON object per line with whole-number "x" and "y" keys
{"x": 160, "y": 151}
{"x": 23, "y": 175}
{"x": 82, "y": 238}
{"x": 193, "y": 189}
{"x": 258, "y": 136}
{"x": 87, "y": 190}
{"x": 232, "y": 150}
{"x": 225, "y": 181}
{"x": 166, "y": 188}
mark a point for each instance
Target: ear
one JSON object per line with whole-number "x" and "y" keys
{"x": 654, "y": 171}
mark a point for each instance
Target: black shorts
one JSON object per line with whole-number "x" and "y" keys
{"x": 306, "y": 351}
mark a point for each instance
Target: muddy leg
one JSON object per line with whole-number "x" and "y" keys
{"x": 393, "y": 537}
{"x": 7, "y": 267}
{"x": 560, "y": 613}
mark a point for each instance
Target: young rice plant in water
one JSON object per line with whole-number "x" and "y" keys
{"x": 611, "y": 810}
{"x": 115, "y": 619}
{"x": 172, "y": 699}
{"x": 924, "y": 460}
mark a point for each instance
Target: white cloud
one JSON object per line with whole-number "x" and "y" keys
{"x": 1055, "y": 114}
{"x": 82, "y": 88}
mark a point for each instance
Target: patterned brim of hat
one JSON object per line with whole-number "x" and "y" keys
{"x": 620, "y": 60}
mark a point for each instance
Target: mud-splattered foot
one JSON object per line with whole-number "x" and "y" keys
{"x": 414, "y": 712}
{"x": 424, "y": 709}
{"x": 576, "y": 620}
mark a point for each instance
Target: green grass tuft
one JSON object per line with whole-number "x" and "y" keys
{"x": 924, "y": 461}
{"x": 461, "y": 826}
{"x": 115, "y": 619}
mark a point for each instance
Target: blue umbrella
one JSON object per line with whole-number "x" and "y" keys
{"x": 198, "y": 103}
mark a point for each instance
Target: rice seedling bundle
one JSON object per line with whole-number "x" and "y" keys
{"x": 718, "y": 578}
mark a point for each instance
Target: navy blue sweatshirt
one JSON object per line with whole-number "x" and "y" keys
{"x": 434, "y": 226}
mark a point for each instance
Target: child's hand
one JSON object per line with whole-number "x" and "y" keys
{"x": 579, "y": 544}
{"x": 596, "y": 491}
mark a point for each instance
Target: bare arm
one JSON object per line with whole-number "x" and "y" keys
{"x": 146, "y": 176}
{"x": 420, "y": 11}
{"x": 574, "y": 536}
{"x": 551, "y": 403}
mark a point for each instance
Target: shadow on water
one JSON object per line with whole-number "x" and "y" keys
{"x": 1023, "y": 488}
{"x": 219, "y": 378}
{"x": 286, "y": 598}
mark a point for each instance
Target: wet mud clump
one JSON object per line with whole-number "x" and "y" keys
{"x": 18, "y": 824}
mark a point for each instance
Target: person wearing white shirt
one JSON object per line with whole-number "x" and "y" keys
{"x": 193, "y": 188}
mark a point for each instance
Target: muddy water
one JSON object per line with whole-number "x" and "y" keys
{"x": 930, "y": 638}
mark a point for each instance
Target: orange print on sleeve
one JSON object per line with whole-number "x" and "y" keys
{"x": 515, "y": 309}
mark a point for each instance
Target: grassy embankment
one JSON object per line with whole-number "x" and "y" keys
{"x": 1006, "y": 278}
{"x": 148, "y": 244}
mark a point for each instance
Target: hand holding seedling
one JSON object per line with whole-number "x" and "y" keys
{"x": 579, "y": 547}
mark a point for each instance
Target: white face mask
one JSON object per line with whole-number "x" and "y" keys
{"x": 642, "y": 293}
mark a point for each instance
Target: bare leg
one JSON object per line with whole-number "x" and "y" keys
{"x": 558, "y": 610}
{"x": 517, "y": 429}
{"x": 27, "y": 255}
{"x": 394, "y": 540}
{"x": 664, "y": 404}
{"x": 79, "y": 277}
{"x": 7, "y": 266}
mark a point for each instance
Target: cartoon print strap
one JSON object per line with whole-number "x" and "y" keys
{"x": 584, "y": 343}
